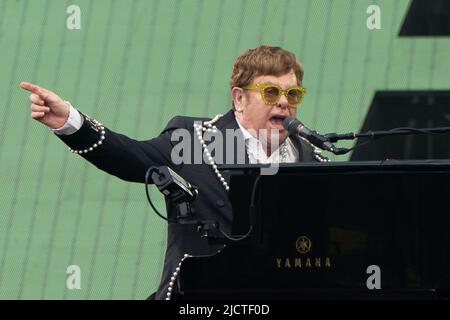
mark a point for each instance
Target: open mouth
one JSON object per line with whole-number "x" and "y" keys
{"x": 277, "y": 120}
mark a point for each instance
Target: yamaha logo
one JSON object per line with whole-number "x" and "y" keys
{"x": 303, "y": 244}
{"x": 305, "y": 262}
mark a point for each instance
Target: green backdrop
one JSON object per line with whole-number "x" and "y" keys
{"x": 135, "y": 64}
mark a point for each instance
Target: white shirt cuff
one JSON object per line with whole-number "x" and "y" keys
{"x": 73, "y": 123}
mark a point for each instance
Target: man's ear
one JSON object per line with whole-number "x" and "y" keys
{"x": 238, "y": 96}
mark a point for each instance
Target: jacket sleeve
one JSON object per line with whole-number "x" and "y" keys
{"x": 119, "y": 155}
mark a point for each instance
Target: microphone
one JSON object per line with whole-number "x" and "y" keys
{"x": 295, "y": 127}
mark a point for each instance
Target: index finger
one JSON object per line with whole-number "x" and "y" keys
{"x": 32, "y": 88}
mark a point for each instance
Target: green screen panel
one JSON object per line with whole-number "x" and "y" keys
{"x": 133, "y": 65}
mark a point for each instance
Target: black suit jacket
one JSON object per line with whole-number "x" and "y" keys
{"x": 129, "y": 159}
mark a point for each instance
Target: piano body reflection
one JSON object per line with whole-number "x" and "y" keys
{"x": 332, "y": 230}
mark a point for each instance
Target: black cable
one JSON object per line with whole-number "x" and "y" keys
{"x": 252, "y": 199}
{"x": 229, "y": 237}
{"x": 358, "y": 145}
{"x": 147, "y": 174}
{"x": 236, "y": 238}
{"x": 251, "y": 214}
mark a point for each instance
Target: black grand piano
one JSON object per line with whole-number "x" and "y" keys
{"x": 375, "y": 229}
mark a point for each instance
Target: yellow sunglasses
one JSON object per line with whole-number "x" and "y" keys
{"x": 271, "y": 93}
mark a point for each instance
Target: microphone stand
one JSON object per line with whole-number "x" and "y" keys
{"x": 372, "y": 135}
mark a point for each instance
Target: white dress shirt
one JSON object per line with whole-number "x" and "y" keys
{"x": 286, "y": 152}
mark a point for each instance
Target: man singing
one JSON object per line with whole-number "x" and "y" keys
{"x": 266, "y": 87}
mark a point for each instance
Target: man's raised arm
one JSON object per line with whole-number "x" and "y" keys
{"x": 117, "y": 154}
